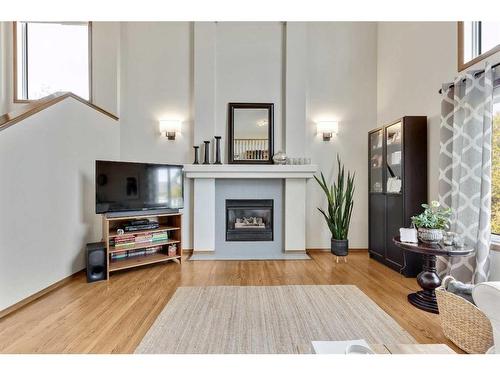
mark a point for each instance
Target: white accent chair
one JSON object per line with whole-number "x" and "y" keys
{"x": 487, "y": 299}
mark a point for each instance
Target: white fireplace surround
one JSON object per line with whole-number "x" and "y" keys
{"x": 204, "y": 176}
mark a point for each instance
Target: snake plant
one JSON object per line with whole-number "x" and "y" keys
{"x": 340, "y": 202}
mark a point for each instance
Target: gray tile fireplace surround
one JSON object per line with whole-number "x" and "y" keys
{"x": 248, "y": 250}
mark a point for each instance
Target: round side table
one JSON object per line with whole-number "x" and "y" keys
{"x": 428, "y": 279}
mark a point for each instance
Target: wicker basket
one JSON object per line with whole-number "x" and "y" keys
{"x": 463, "y": 323}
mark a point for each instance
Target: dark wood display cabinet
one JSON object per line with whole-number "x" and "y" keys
{"x": 397, "y": 165}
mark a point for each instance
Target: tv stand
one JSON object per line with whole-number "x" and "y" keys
{"x": 170, "y": 222}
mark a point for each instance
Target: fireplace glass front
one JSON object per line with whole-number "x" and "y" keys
{"x": 249, "y": 219}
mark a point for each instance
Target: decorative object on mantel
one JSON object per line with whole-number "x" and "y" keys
{"x": 250, "y": 133}
{"x": 340, "y": 198}
{"x": 432, "y": 222}
{"x": 217, "y": 149}
{"x": 196, "y": 149}
{"x": 298, "y": 161}
{"x": 279, "y": 158}
{"x": 207, "y": 152}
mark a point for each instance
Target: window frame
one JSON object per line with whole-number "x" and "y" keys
{"x": 462, "y": 65}
{"x": 15, "y": 97}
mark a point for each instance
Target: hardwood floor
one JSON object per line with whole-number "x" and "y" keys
{"x": 113, "y": 317}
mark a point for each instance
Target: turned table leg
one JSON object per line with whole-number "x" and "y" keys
{"x": 428, "y": 280}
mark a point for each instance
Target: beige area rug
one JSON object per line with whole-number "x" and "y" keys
{"x": 267, "y": 319}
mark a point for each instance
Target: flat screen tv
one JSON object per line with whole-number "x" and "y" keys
{"x": 123, "y": 186}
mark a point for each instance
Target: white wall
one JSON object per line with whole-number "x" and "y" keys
{"x": 47, "y": 208}
{"x": 156, "y": 83}
{"x": 191, "y": 72}
{"x": 342, "y": 77}
{"x": 248, "y": 69}
{"x": 105, "y": 65}
{"x": 414, "y": 60}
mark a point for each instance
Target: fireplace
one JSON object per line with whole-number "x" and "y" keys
{"x": 249, "y": 220}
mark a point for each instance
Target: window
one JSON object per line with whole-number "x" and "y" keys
{"x": 476, "y": 41}
{"x": 51, "y": 57}
{"x": 495, "y": 172}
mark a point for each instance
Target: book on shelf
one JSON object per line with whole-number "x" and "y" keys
{"x": 136, "y": 253}
{"x": 160, "y": 236}
{"x": 160, "y": 239}
{"x": 143, "y": 238}
{"x": 124, "y": 244}
{"x": 127, "y": 254}
{"x": 132, "y": 240}
{"x": 120, "y": 255}
{"x": 153, "y": 250}
{"x": 124, "y": 237}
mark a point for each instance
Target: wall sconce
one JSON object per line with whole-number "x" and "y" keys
{"x": 328, "y": 129}
{"x": 168, "y": 128}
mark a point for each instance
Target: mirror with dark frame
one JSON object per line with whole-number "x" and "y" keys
{"x": 250, "y": 133}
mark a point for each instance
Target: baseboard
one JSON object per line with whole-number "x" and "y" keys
{"x": 190, "y": 251}
{"x": 34, "y": 297}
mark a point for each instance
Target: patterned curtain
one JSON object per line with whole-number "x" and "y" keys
{"x": 465, "y": 170}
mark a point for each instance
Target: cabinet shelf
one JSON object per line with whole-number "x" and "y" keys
{"x": 392, "y": 145}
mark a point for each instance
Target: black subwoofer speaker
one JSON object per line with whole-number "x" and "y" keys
{"x": 96, "y": 262}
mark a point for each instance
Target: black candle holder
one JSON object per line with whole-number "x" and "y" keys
{"x": 196, "y": 149}
{"x": 207, "y": 152}
{"x": 217, "y": 149}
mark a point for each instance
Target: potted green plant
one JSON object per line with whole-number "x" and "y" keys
{"x": 340, "y": 203}
{"x": 432, "y": 222}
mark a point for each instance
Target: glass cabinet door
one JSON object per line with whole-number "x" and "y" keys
{"x": 376, "y": 162}
{"x": 394, "y": 142}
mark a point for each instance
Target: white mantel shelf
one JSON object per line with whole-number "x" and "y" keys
{"x": 249, "y": 171}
